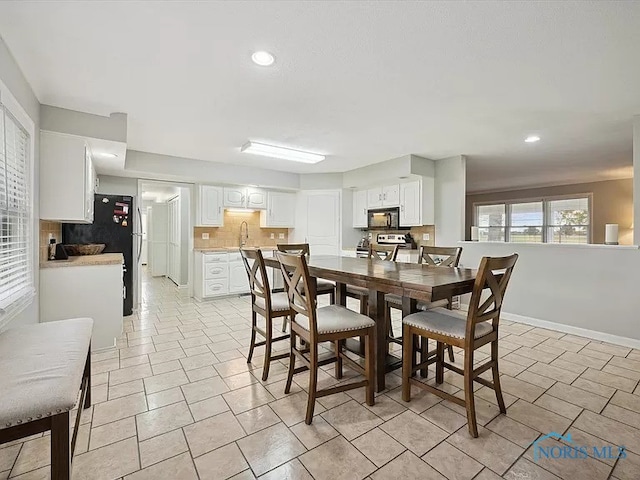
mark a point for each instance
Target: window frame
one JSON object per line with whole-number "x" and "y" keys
{"x": 18, "y": 305}
{"x": 545, "y": 214}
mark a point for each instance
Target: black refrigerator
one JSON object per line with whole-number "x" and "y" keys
{"x": 113, "y": 226}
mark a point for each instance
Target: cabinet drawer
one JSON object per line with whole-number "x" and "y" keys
{"x": 215, "y": 270}
{"x": 216, "y": 287}
{"x": 235, "y": 257}
{"x": 215, "y": 258}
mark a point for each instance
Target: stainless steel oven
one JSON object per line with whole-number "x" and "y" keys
{"x": 383, "y": 219}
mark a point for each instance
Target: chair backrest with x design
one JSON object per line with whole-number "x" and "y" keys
{"x": 493, "y": 275}
{"x": 383, "y": 252}
{"x": 257, "y": 273}
{"x": 440, "y": 256}
{"x": 301, "y": 291}
{"x": 295, "y": 248}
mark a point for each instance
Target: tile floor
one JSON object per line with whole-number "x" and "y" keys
{"x": 177, "y": 400}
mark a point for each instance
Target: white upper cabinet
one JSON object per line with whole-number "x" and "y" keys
{"x": 234, "y": 197}
{"x": 210, "y": 206}
{"x": 256, "y": 198}
{"x": 391, "y": 195}
{"x": 360, "y": 209}
{"x": 67, "y": 178}
{"x": 387, "y": 196}
{"x": 245, "y": 197}
{"x": 410, "y": 204}
{"x": 280, "y": 212}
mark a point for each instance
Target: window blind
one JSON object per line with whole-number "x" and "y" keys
{"x": 16, "y": 263}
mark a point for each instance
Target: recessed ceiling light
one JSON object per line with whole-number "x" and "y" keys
{"x": 281, "y": 152}
{"x": 532, "y": 139}
{"x": 262, "y": 58}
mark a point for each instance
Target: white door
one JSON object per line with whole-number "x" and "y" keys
{"x": 374, "y": 197}
{"x": 410, "y": 204}
{"x": 391, "y": 195}
{"x": 158, "y": 239}
{"x": 144, "y": 252}
{"x": 211, "y": 206}
{"x": 234, "y": 197}
{"x": 323, "y": 222}
{"x": 238, "y": 279}
{"x": 173, "y": 246}
{"x": 360, "y": 209}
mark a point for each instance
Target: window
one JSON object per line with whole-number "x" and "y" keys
{"x": 548, "y": 220}
{"x": 16, "y": 218}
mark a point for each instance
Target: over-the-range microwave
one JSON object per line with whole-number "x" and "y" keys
{"x": 384, "y": 219}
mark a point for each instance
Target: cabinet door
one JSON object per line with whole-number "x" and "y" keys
{"x": 234, "y": 197}
{"x": 360, "y": 209}
{"x": 256, "y": 198}
{"x": 374, "y": 197}
{"x": 211, "y": 206}
{"x": 238, "y": 280}
{"x": 280, "y": 211}
{"x": 89, "y": 185}
{"x": 391, "y": 195}
{"x": 410, "y": 204}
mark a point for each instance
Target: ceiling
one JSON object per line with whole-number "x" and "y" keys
{"x": 361, "y": 82}
{"x": 158, "y": 191}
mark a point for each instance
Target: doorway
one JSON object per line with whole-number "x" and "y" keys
{"x": 167, "y": 232}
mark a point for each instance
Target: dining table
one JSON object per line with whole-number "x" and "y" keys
{"x": 412, "y": 281}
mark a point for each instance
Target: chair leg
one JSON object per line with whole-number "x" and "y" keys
{"x": 267, "y": 349}
{"x": 415, "y": 351}
{"x": 496, "y": 377}
{"x": 313, "y": 381}
{"x": 284, "y": 323}
{"x": 332, "y": 297}
{"x": 338, "y": 366}
{"x": 60, "y": 447}
{"x": 439, "y": 362}
{"x": 387, "y": 320}
{"x": 253, "y": 336}
{"x": 408, "y": 359}
{"x": 468, "y": 394}
{"x": 424, "y": 353}
{"x": 364, "y": 305}
{"x": 450, "y": 350}
{"x": 370, "y": 367}
{"x": 87, "y": 374}
{"x": 292, "y": 362}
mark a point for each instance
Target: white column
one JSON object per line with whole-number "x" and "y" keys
{"x": 636, "y": 180}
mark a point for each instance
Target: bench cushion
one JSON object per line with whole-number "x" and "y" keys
{"x": 41, "y": 369}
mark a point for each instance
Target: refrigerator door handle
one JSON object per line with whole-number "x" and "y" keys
{"x": 140, "y": 235}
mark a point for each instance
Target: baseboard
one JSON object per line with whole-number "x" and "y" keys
{"x": 570, "y": 329}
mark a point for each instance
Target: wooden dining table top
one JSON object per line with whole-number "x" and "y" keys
{"x": 418, "y": 281}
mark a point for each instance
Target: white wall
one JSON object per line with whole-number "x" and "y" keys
{"x": 185, "y": 234}
{"x": 14, "y": 80}
{"x": 164, "y": 167}
{"x": 591, "y": 287}
{"x": 109, "y": 185}
{"x": 113, "y": 127}
{"x": 450, "y": 194}
{"x": 636, "y": 179}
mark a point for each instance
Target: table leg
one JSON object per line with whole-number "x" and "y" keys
{"x": 409, "y": 306}
{"x": 341, "y": 294}
{"x": 376, "y": 312}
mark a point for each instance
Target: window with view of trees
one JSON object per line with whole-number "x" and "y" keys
{"x": 549, "y": 220}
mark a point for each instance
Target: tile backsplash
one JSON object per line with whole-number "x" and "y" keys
{"x": 229, "y": 235}
{"x": 46, "y": 228}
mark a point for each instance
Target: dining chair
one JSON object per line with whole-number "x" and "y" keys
{"x": 379, "y": 252}
{"x": 324, "y": 287}
{"x": 437, "y": 257}
{"x": 331, "y": 323}
{"x": 479, "y": 328}
{"x": 266, "y": 304}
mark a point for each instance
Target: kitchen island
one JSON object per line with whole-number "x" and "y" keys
{"x": 85, "y": 286}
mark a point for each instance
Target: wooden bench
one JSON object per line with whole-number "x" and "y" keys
{"x": 45, "y": 371}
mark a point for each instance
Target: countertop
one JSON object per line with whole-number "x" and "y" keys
{"x": 85, "y": 260}
{"x": 233, "y": 249}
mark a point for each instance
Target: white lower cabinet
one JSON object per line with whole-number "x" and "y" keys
{"x": 238, "y": 279}
{"x": 218, "y": 274}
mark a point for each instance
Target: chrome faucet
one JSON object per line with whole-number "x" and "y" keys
{"x": 244, "y": 233}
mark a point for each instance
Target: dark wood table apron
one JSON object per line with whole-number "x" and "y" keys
{"x": 410, "y": 280}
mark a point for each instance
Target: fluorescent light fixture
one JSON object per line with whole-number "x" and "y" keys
{"x": 262, "y": 58}
{"x": 281, "y": 152}
{"x": 107, "y": 155}
{"x": 532, "y": 139}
